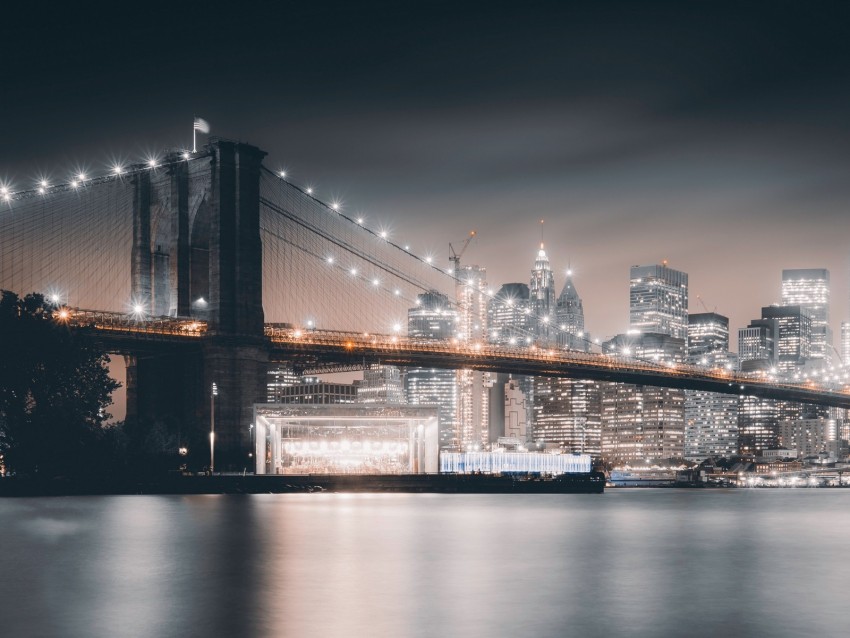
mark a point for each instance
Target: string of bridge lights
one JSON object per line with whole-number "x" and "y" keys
{"x": 81, "y": 179}
{"x": 43, "y": 187}
{"x": 336, "y": 207}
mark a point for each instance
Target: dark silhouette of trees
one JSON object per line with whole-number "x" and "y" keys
{"x": 54, "y": 391}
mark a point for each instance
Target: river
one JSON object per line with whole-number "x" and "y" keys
{"x": 639, "y": 562}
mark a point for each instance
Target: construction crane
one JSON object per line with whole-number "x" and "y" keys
{"x": 702, "y": 303}
{"x": 455, "y": 256}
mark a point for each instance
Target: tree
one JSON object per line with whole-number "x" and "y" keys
{"x": 54, "y": 391}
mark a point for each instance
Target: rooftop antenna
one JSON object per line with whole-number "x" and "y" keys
{"x": 541, "y": 234}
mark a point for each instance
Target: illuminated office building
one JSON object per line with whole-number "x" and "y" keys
{"x": 473, "y": 395}
{"x": 433, "y": 318}
{"x": 569, "y": 318}
{"x": 280, "y": 376}
{"x": 708, "y": 337}
{"x": 711, "y": 419}
{"x": 757, "y": 345}
{"x": 508, "y": 316}
{"x": 658, "y": 300}
{"x": 643, "y": 423}
{"x": 793, "y": 339}
{"x": 381, "y": 384}
{"x": 567, "y": 414}
{"x": 567, "y": 411}
{"x": 542, "y": 297}
{"x": 509, "y": 324}
{"x": 808, "y": 288}
{"x": 315, "y": 391}
{"x": 758, "y": 425}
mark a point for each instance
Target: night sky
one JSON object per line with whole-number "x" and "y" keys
{"x": 713, "y": 135}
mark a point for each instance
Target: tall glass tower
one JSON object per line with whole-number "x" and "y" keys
{"x": 542, "y": 297}
{"x": 658, "y": 300}
{"x": 569, "y": 317}
{"x": 473, "y": 404}
{"x": 809, "y": 289}
{"x": 433, "y": 318}
{"x": 711, "y": 419}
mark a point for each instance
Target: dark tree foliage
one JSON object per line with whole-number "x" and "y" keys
{"x": 54, "y": 391}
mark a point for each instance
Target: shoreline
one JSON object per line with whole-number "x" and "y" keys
{"x": 591, "y": 483}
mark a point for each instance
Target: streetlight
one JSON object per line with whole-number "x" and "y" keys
{"x": 213, "y": 395}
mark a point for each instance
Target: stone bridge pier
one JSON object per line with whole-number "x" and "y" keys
{"x": 197, "y": 252}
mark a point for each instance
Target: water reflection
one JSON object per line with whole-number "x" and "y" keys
{"x": 637, "y": 563}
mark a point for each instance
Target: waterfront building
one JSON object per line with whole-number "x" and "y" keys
{"x": 810, "y": 437}
{"x": 758, "y": 425}
{"x": 279, "y": 376}
{"x": 643, "y": 423}
{"x": 315, "y": 391}
{"x": 345, "y": 439}
{"x": 808, "y": 288}
{"x": 542, "y": 298}
{"x": 381, "y": 384}
{"x": 711, "y": 425}
{"x": 658, "y": 300}
{"x": 433, "y": 318}
{"x": 567, "y": 413}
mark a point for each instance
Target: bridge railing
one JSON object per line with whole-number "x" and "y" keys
{"x": 398, "y": 344}
{"x": 131, "y": 323}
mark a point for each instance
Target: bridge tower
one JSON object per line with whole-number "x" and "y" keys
{"x": 197, "y": 252}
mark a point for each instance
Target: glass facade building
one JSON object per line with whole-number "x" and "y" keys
{"x": 658, "y": 300}
{"x": 808, "y": 288}
{"x": 433, "y": 318}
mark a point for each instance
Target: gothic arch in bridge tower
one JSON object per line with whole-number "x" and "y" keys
{"x": 199, "y": 253}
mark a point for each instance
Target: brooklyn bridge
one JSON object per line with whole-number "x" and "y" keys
{"x": 204, "y": 268}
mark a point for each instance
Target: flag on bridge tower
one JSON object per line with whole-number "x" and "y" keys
{"x": 200, "y": 125}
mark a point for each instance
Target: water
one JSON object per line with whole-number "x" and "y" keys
{"x": 626, "y": 563}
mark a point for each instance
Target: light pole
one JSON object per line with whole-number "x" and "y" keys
{"x": 213, "y": 395}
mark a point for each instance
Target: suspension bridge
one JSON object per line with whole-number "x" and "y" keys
{"x": 208, "y": 267}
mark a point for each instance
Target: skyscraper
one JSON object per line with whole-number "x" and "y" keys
{"x": 542, "y": 296}
{"x": 569, "y": 317}
{"x": 808, "y": 288}
{"x": 567, "y": 411}
{"x": 793, "y": 339}
{"x": 639, "y": 422}
{"x": 711, "y": 419}
{"x": 757, "y": 345}
{"x": 473, "y": 403}
{"x": 509, "y": 324}
{"x": 658, "y": 300}
{"x": 433, "y": 318}
{"x": 708, "y": 337}
{"x": 508, "y": 315}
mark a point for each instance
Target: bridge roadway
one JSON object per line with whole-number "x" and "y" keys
{"x": 317, "y": 347}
